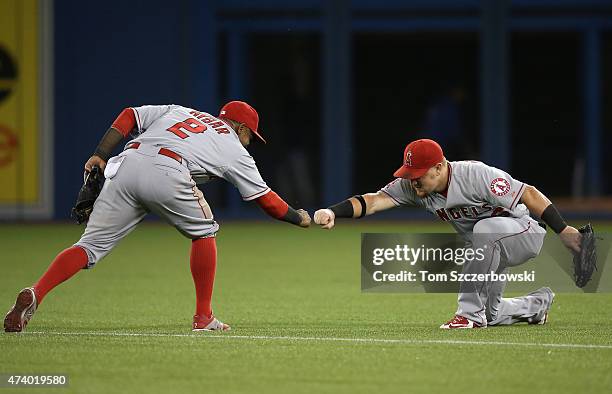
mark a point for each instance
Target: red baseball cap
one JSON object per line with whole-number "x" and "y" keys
{"x": 419, "y": 157}
{"x": 241, "y": 112}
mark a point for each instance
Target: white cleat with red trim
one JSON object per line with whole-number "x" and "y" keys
{"x": 203, "y": 323}
{"x": 460, "y": 322}
{"x": 20, "y": 314}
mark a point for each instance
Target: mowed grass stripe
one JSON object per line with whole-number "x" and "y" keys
{"x": 328, "y": 339}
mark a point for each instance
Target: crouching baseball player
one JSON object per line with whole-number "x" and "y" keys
{"x": 157, "y": 172}
{"x": 487, "y": 207}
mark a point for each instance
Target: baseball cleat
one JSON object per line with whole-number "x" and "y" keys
{"x": 20, "y": 314}
{"x": 460, "y": 322}
{"x": 542, "y": 317}
{"x": 541, "y": 321}
{"x": 203, "y": 323}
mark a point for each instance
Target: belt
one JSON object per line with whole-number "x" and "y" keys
{"x": 162, "y": 151}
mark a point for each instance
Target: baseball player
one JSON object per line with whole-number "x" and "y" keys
{"x": 157, "y": 172}
{"x": 487, "y": 207}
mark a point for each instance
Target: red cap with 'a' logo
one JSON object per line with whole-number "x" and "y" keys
{"x": 242, "y": 112}
{"x": 419, "y": 157}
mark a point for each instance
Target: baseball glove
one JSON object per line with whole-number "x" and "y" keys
{"x": 585, "y": 262}
{"x": 87, "y": 195}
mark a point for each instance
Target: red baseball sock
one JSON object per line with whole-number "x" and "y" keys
{"x": 203, "y": 264}
{"x": 65, "y": 265}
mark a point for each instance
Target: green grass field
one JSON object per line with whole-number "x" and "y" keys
{"x": 300, "y": 322}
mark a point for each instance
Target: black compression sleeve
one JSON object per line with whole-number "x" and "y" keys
{"x": 292, "y": 216}
{"x": 343, "y": 209}
{"x": 108, "y": 143}
{"x": 553, "y": 218}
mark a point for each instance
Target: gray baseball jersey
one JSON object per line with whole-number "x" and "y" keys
{"x": 141, "y": 181}
{"x": 476, "y": 191}
{"x": 204, "y": 141}
{"x": 487, "y": 197}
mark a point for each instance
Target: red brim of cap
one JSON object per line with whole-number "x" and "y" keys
{"x": 410, "y": 173}
{"x": 259, "y": 135}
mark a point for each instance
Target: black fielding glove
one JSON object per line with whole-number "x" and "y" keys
{"x": 585, "y": 262}
{"x": 87, "y": 195}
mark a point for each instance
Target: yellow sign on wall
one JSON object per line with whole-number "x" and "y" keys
{"x": 20, "y": 142}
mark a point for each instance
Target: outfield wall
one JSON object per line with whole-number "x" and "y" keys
{"x": 389, "y": 64}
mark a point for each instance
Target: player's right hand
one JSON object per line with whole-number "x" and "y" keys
{"x": 95, "y": 161}
{"x": 305, "y": 218}
{"x": 325, "y": 217}
{"x": 571, "y": 237}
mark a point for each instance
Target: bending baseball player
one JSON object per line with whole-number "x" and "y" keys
{"x": 487, "y": 207}
{"x": 157, "y": 172}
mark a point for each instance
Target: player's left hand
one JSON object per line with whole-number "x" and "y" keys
{"x": 571, "y": 239}
{"x": 95, "y": 161}
{"x": 305, "y": 218}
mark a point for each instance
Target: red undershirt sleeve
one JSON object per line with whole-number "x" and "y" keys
{"x": 125, "y": 122}
{"x": 273, "y": 205}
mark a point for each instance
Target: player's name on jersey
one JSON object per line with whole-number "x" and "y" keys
{"x": 474, "y": 212}
{"x": 211, "y": 121}
{"x": 452, "y": 276}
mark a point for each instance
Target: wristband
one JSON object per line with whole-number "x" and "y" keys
{"x": 343, "y": 209}
{"x": 363, "y": 206}
{"x": 292, "y": 216}
{"x": 553, "y": 218}
{"x": 101, "y": 154}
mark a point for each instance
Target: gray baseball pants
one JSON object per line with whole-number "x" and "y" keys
{"x": 138, "y": 182}
{"x": 507, "y": 242}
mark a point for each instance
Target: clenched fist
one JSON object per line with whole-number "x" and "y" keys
{"x": 325, "y": 217}
{"x": 305, "y": 218}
